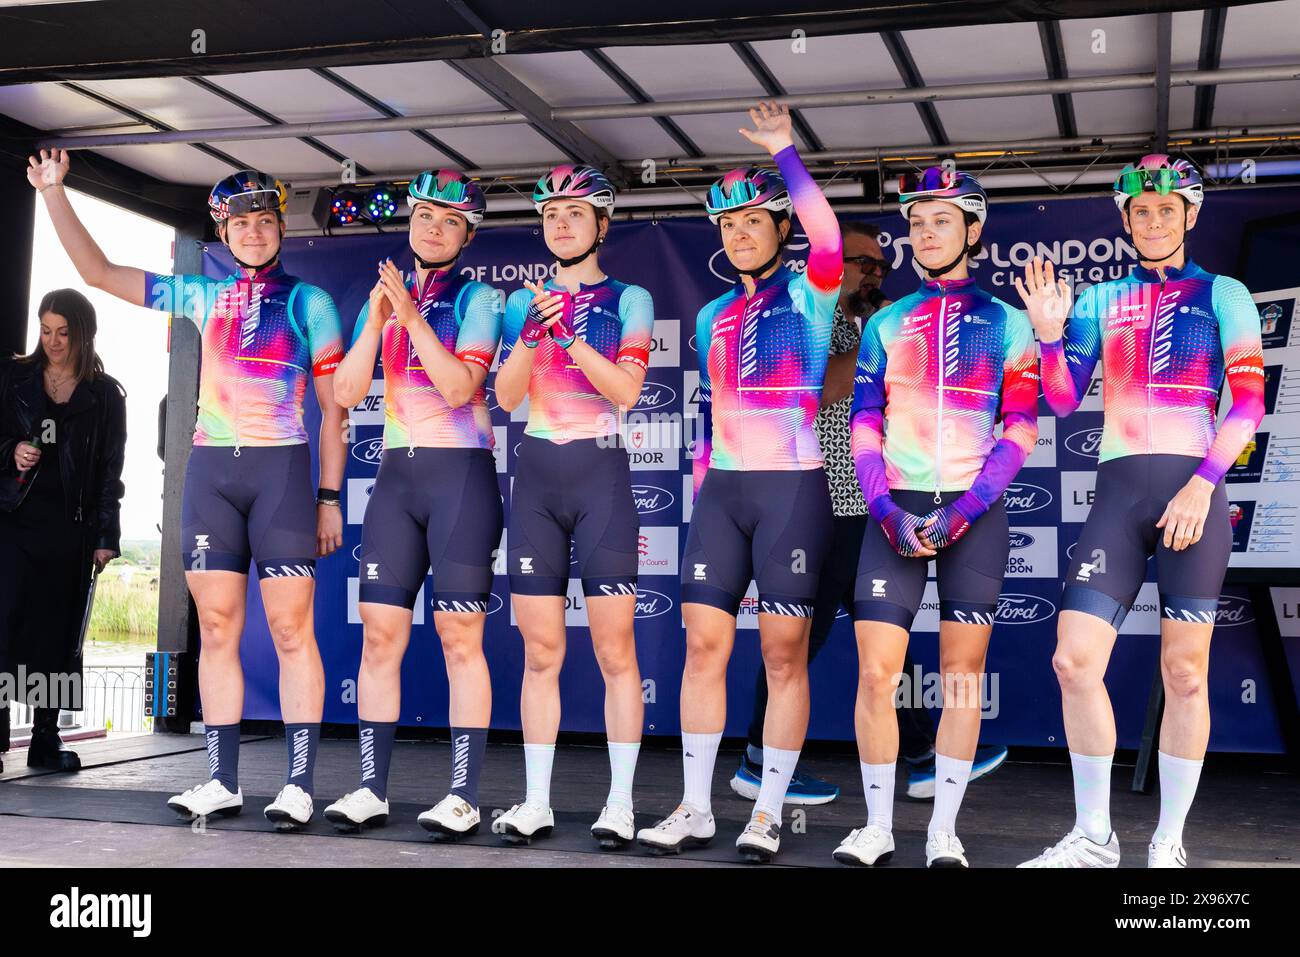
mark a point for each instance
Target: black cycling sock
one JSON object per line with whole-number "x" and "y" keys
{"x": 376, "y": 739}
{"x": 303, "y": 740}
{"x": 223, "y": 754}
{"x": 467, "y": 747}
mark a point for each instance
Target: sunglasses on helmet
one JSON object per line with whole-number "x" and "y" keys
{"x": 1134, "y": 182}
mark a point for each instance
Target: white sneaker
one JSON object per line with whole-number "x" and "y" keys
{"x": 615, "y": 828}
{"x": 944, "y": 850}
{"x": 1076, "y": 849}
{"x": 866, "y": 846}
{"x": 292, "y": 808}
{"x": 357, "y": 809}
{"x": 1166, "y": 854}
{"x": 523, "y": 822}
{"x": 450, "y": 819}
{"x": 685, "y": 827}
{"x": 206, "y": 799}
{"x": 761, "y": 838}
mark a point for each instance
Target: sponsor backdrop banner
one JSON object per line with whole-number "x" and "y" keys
{"x": 680, "y": 262}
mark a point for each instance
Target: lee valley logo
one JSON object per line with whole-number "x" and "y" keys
{"x": 78, "y": 910}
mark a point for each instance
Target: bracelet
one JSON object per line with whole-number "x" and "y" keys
{"x": 41, "y": 189}
{"x": 329, "y": 501}
{"x": 327, "y": 494}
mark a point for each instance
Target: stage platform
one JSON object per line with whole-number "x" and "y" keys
{"x": 113, "y": 813}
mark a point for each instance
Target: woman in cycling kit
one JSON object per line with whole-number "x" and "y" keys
{"x": 937, "y": 370}
{"x": 1166, "y": 335}
{"x": 577, "y": 349}
{"x": 435, "y": 502}
{"x": 248, "y": 495}
{"x": 762, "y": 510}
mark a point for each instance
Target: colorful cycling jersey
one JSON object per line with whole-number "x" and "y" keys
{"x": 260, "y": 338}
{"x": 763, "y": 357}
{"x": 936, "y": 371}
{"x": 1164, "y": 346}
{"x": 615, "y": 319}
{"x": 465, "y": 315}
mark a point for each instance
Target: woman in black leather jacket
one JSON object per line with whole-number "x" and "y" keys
{"x": 62, "y": 441}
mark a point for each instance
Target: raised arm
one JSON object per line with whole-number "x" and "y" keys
{"x": 126, "y": 282}
{"x": 773, "y": 131}
{"x": 1243, "y": 363}
{"x": 825, "y": 245}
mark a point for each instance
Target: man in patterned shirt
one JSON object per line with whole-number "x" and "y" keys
{"x": 865, "y": 269}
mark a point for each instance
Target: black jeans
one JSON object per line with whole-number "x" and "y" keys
{"x": 835, "y": 591}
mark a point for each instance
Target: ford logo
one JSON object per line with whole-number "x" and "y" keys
{"x": 1020, "y": 539}
{"x": 1086, "y": 443}
{"x": 370, "y": 451}
{"x": 356, "y": 553}
{"x": 1069, "y": 552}
{"x": 652, "y": 604}
{"x": 1232, "y": 611}
{"x": 495, "y": 604}
{"x": 650, "y": 499}
{"x": 1016, "y": 609}
{"x": 490, "y": 396}
{"x": 1021, "y": 497}
{"x": 655, "y": 396}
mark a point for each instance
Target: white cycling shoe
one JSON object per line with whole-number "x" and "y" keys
{"x": 685, "y": 827}
{"x": 291, "y": 809}
{"x": 523, "y": 822}
{"x": 944, "y": 850}
{"x": 615, "y": 828}
{"x": 1166, "y": 854}
{"x": 1076, "y": 849}
{"x": 450, "y": 819}
{"x": 205, "y": 800}
{"x": 866, "y": 847}
{"x": 356, "y": 810}
{"x": 761, "y": 838}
